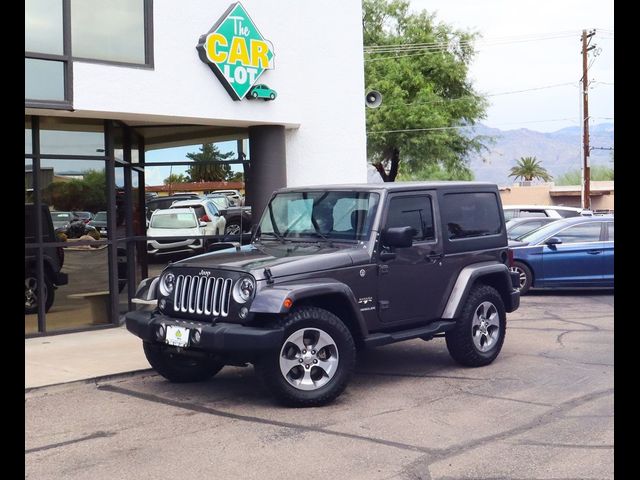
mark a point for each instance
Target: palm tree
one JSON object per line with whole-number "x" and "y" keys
{"x": 529, "y": 168}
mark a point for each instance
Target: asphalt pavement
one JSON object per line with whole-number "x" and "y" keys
{"x": 542, "y": 410}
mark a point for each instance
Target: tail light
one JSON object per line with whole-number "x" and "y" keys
{"x": 60, "y": 252}
{"x": 87, "y": 220}
{"x": 510, "y": 258}
{"x": 205, "y": 218}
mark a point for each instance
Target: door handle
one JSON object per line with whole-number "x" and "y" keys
{"x": 594, "y": 252}
{"x": 433, "y": 257}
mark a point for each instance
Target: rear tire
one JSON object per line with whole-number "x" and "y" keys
{"x": 479, "y": 334}
{"x": 298, "y": 373}
{"x": 31, "y": 292}
{"x": 179, "y": 368}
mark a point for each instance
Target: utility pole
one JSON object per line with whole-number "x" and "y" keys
{"x": 586, "y": 175}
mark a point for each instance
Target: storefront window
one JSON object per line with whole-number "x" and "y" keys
{"x": 66, "y": 136}
{"x": 110, "y": 30}
{"x": 43, "y": 79}
{"x": 43, "y": 26}
{"x": 28, "y": 138}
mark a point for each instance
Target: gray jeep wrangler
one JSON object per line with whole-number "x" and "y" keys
{"x": 332, "y": 269}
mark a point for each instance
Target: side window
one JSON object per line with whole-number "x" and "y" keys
{"x": 568, "y": 213}
{"x": 469, "y": 215}
{"x": 416, "y": 212}
{"x": 532, "y": 213}
{"x": 586, "y": 232}
{"x": 610, "y": 230}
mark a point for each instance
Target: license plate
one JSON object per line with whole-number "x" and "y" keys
{"x": 177, "y": 336}
{"x": 102, "y": 230}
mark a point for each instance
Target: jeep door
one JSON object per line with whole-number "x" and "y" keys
{"x": 410, "y": 286}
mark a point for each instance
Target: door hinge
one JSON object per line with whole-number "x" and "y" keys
{"x": 383, "y": 304}
{"x": 383, "y": 269}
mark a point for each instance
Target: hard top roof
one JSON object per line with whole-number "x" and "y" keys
{"x": 392, "y": 186}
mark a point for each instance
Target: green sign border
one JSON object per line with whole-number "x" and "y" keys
{"x": 202, "y": 52}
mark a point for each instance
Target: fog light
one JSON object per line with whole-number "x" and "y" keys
{"x": 244, "y": 311}
{"x": 162, "y": 304}
{"x": 160, "y": 332}
{"x": 196, "y": 336}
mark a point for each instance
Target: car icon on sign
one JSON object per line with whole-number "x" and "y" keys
{"x": 262, "y": 91}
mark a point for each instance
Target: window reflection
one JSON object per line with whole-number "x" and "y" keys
{"x": 66, "y": 136}
{"x": 43, "y": 26}
{"x": 110, "y": 30}
{"x": 43, "y": 79}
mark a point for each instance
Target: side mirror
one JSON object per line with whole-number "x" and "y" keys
{"x": 399, "y": 237}
{"x": 553, "y": 241}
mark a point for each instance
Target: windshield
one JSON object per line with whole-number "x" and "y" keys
{"x": 173, "y": 220}
{"x": 540, "y": 233}
{"x": 332, "y": 215}
{"x": 100, "y": 217}
{"x": 220, "y": 202}
{"x": 60, "y": 215}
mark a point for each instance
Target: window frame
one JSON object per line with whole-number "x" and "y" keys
{"x": 435, "y": 214}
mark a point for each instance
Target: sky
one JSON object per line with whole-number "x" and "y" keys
{"x": 506, "y": 63}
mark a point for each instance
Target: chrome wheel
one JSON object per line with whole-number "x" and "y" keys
{"x": 521, "y": 275}
{"x": 31, "y": 293}
{"x": 233, "y": 229}
{"x": 485, "y": 327}
{"x": 309, "y": 359}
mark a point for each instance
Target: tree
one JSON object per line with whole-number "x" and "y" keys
{"x": 529, "y": 168}
{"x": 422, "y": 88}
{"x": 574, "y": 177}
{"x": 175, "y": 178}
{"x": 87, "y": 194}
{"x": 208, "y": 166}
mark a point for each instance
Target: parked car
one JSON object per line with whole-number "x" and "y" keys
{"x": 61, "y": 219}
{"x": 100, "y": 223}
{"x": 517, "y": 227}
{"x": 331, "y": 268}
{"x": 238, "y": 219}
{"x": 207, "y": 213}
{"x": 262, "y": 91}
{"x": 53, "y": 258}
{"x": 236, "y": 198}
{"x": 517, "y": 211}
{"x": 164, "y": 202}
{"x": 175, "y": 222}
{"x": 86, "y": 217}
{"x": 569, "y": 253}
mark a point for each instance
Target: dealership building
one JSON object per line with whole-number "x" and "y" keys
{"x": 126, "y": 94}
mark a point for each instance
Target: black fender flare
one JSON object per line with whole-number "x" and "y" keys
{"x": 270, "y": 298}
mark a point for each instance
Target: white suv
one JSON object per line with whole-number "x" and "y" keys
{"x": 519, "y": 211}
{"x": 207, "y": 213}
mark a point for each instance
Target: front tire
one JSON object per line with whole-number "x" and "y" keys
{"x": 313, "y": 364}
{"x": 179, "y": 368}
{"x": 479, "y": 334}
{"x": 526, "y": 277}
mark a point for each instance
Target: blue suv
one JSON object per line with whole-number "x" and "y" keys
{"x": 574, "y": 252}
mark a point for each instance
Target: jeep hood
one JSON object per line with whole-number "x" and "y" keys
{"x": 280, "y": 259}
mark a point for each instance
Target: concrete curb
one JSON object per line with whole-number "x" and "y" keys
{"x": 102, "y": 378}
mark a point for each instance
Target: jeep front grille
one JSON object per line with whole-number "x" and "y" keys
{"x": 202, "y": 295}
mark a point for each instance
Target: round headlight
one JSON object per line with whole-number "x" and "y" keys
{"x": 167, "y": 284}
{"x": 244, "y": 289}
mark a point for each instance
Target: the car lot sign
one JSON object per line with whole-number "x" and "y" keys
{"x": 236, "y": 51}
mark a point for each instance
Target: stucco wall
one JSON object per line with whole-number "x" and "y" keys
{"x": 540, "y": 195}
{"x": 318, "y": 76}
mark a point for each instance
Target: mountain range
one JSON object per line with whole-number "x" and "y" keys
{"x": 558, "y": 151}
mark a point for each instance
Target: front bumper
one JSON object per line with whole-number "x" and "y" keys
{"x": 217, "y": 338}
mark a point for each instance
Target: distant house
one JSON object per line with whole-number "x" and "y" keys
{"x": 602, "y": 195}
{"x": 199, "y": 188}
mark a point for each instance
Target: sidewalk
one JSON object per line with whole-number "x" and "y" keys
{"x": 81, "y": 356}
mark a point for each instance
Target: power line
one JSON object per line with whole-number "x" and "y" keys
{"x": 409, "y": 130}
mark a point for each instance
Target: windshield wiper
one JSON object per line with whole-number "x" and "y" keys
{"x": 274, "y": 235}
